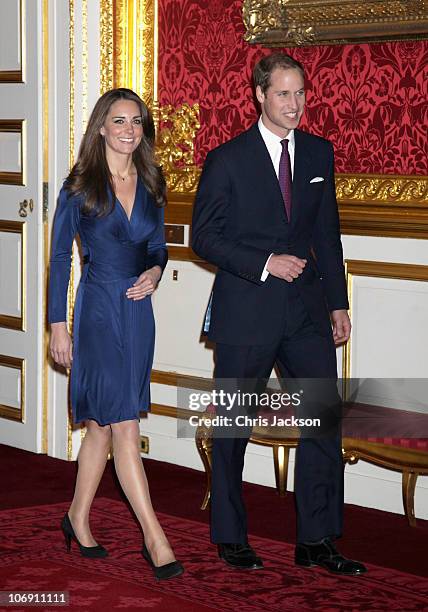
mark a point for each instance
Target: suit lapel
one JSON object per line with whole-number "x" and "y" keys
{"x": 302, "y": 169}
{"x": 261, "y": 165}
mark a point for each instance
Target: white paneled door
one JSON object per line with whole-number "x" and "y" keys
{"x": 21, "y": 224}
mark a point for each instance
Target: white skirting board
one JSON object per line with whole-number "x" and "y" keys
{"x": 365, "y": 484}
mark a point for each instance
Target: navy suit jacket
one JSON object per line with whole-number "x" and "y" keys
{"x": 239, "y": 219}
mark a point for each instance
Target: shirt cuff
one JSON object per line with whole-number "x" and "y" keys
{"x": 265, "y": 272}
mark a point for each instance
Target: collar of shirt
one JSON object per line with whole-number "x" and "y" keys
{"x": 274, "y": 146}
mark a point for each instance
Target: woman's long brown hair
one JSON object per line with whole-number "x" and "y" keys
{"x": 90, "y": 175}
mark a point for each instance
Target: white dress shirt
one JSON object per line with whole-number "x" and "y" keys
{"x": 274, "y": 147}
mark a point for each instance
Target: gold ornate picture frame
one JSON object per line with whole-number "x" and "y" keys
{"x": 374, "y": 205}
{"x": 288, "y": 23}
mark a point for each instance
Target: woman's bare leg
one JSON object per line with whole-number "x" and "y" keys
{"x": 92, "y": 460}
{"x": 132, "y": 477}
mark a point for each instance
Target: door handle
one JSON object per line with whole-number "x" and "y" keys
{"x": 23, "y": 206}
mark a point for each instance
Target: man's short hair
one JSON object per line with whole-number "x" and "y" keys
{"x": 264, "y": 68}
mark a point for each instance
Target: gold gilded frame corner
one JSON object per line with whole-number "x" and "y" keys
{"x": 287, "y": 23}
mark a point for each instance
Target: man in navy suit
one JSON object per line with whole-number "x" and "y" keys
{"x": 266, "y": 215}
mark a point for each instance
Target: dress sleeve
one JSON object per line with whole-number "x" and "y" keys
{"x": 157, "y": 253}
{"x": 65, "y": 227}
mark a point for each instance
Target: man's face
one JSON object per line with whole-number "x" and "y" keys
{"x": 284, "y": 101}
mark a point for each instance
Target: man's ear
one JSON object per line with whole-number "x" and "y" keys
{"x": 259, "y": 94}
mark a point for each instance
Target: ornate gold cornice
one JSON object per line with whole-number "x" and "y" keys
{"x": 305, "y": 22}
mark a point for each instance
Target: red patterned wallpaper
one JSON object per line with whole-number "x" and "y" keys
{"x": 371, "y": 101}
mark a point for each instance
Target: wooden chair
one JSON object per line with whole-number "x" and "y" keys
{"x": 408, "y": 455}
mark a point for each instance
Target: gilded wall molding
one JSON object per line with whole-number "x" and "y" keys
{"x": 378, "y": 188}
{"x": 106, "y": 45}
{"x": 383, "y": 205}
{"x": 146, "y": 51}
{"x": 128, "y": 35}
{"x": 364, "y": 189}
{"x": 307, "y": 22}
{"x": 369, "y": 205}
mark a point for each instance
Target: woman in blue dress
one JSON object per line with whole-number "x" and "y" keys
{"x": 113, "y": 199}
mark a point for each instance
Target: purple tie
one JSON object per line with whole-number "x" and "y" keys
{"x": 285, "y": 177}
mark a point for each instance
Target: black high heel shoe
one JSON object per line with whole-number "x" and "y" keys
{"x": 163, "y": 572}
{"x": 93, "y": 552}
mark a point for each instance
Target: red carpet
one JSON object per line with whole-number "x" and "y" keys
{"x": 33, "y": 557}
{"x": 371, "y": 536}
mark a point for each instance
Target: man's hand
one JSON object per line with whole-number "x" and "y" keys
{"x": 61, "y": 346}
{"x": 287, "y": 267}
{"x": 145, "y": 284}
{"x": 341, "y": 326}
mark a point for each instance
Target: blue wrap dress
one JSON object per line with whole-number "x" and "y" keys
{"x": 113, "y": 336}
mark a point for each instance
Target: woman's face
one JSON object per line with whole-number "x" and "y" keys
{"x": 123, "y": 127}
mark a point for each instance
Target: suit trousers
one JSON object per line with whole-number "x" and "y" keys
{"x": 301, "y": 352}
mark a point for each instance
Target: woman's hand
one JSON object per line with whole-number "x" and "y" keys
{"x": 60, "y": 345}
{"x": 145, "y": 284}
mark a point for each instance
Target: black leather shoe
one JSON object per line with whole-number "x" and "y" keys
{"x": 163, "y": 572}
{"x": 325, "y": 555}
{"x": 239, "y": 556}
